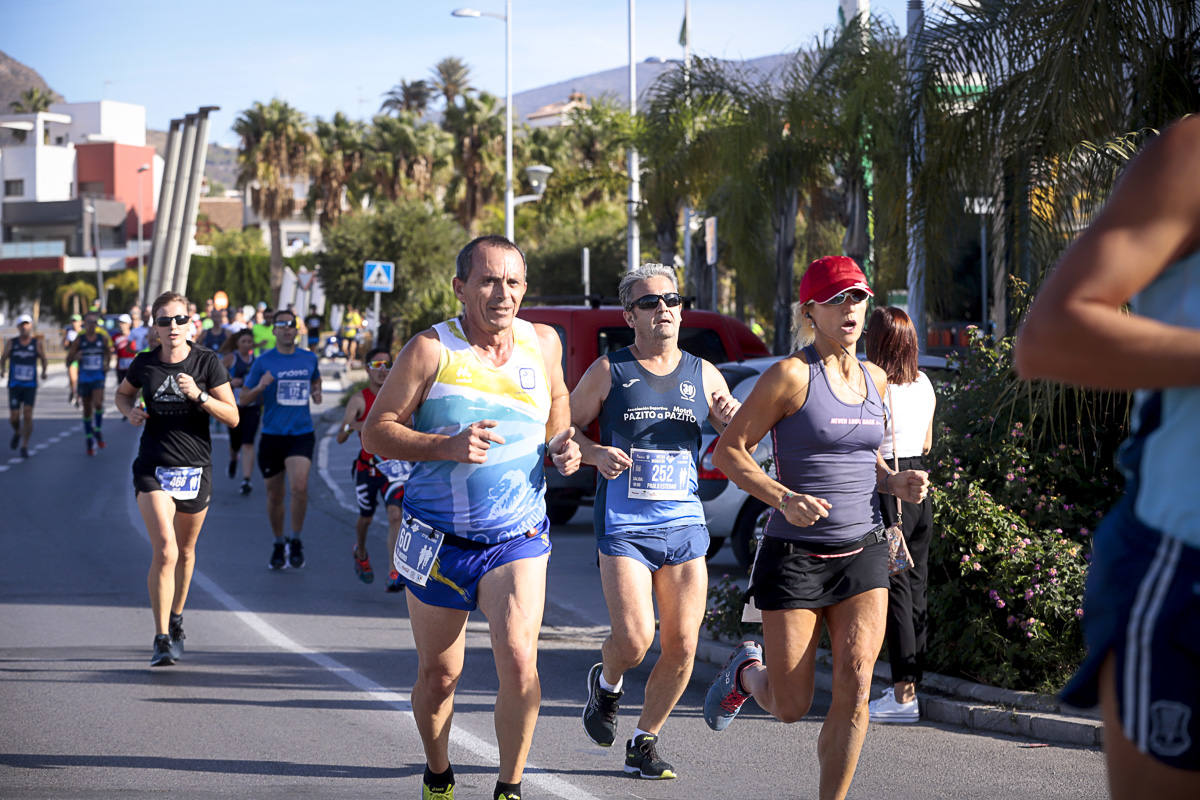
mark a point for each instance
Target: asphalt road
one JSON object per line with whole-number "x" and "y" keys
{"x": 295, "y": 683}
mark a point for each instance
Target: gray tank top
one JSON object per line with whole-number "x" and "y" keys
{"x": 827, "y": 449}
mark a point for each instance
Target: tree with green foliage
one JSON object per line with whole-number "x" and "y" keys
{"x": 276, "y": 148}
{"x": 336, "y": 174}
{"x": 31, "y": 101}
{"x": 408, "y": 96}
{"x": 451, "y": 78}
{"x": 477, "y": 125}
{"x": 422, "y": 243}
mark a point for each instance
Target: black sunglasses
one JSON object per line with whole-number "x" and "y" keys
{"x": 178, "y": 319}
{"x": 856, "y": 296}
{"x": 649, "y": 301}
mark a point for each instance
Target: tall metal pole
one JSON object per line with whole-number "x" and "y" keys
{"x": 508, "y": 121}
{"x": 688, "y": 277}
{"x": 166, "y": 196}
{"x": 192, "y": 201}
{"x": 100, "y": 293}
{"x": 633, "y": 246}
{"x": 983, "y": 271}
{"x": 186, "y": 151}
{"x": 141, "y": 269}
{"x": 916, "y": 228}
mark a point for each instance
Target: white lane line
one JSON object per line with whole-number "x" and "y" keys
{"x": 323, "y": 469}
{"x": 4, "y": 467}
{"x": 38, "y": 447}
{"x": 538, "y": 776}
{"x": 15, "y": 460}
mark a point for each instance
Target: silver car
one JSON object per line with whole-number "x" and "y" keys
{"x": 730, "y": 511}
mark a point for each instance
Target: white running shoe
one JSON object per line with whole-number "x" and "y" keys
{"x": 886, "y": 709}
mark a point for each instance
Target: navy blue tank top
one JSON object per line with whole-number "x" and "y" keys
{"x": 22, "y": 369}
{"x": 656, "y": 419}
{"x": 827, "y": 449}
{"x": 241, "y": 369}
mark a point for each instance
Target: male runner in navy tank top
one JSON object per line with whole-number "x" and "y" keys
{"x": 24, "y": 352}
{"x": 651, "y": 399}
{"x": 374, "y": 477}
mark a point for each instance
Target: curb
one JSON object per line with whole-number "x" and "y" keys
{"x": 973, "y": 706}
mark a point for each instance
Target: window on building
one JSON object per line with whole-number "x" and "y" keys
{"x": 91, "y": 188}
{"x": 14, "y": 188}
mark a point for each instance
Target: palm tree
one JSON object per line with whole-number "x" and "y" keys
{"x": 451, "y": 77}
{"x": 477, "y": 125}
{"x": 336, "y": 174}
{"x": 1058, "y": 85}
{"x": 31, "y": 101}
{"x": 276, "y": 148}
{"x": 411, "y": 96}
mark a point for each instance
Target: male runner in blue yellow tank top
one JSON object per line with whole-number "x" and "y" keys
{"x": 476, "y": 402}
{"x": 92, "y": 350}
{"x": 24, "y": 351}
{"x": 651, "y": 398}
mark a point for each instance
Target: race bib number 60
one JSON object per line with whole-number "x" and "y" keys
{"x": 417, "y": 546}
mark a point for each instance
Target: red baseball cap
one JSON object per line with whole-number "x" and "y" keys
{"x": 829, "y": 276}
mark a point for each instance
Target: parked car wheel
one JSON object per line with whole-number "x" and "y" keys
{"x": 714, "y": 546}
{"x": 748, "y": 531}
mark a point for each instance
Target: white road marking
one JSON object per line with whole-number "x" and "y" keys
{"x": 15, "y": 460}
{"x": 4, "y": 467}
{"x": 399, "y": 701}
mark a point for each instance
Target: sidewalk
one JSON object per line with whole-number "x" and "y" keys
{"x": 954, "y": 701}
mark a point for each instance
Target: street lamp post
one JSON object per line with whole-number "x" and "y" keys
{"x": 100, "y": 293}
{"x": 506, "y": 18}
{"x": 141, "y": 273}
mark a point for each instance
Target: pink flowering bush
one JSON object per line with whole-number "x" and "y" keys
{"x": 1015, "y": 501}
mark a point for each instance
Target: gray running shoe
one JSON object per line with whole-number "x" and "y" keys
{"x": 641, "y": 759}
{"x": 600, "y": 713}
{"x": 295, "y": 553}
{"x": 278, "y": 555}
{"x": 724, "y": 700}
{"x": 175, "y": 631}
{"x": 162, "y": 651}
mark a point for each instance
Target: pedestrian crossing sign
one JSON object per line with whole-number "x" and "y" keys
{"x": 378, "y": 276}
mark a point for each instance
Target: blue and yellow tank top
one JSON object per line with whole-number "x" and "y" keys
{"x": 504, "y": 497}
{"x": 91, "y": 358}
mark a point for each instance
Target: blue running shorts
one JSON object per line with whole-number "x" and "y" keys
{"x": 454, "y": 581}
{"x": 85, "y": 388}
{"x": 1142, "y": 604}
{"x": 657, "y": 547}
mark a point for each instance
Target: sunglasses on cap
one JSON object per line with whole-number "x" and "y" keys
{"x": 178, "y": 319}
{"x": 649, "y": 301}
{"x": 381, "y": 363}
{"x": 856, "y": 296}
{"x": 285, "y": 323}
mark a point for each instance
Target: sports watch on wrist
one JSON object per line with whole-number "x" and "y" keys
{"x": 202, "y": 398}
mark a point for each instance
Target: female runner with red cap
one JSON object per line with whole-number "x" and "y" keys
{"x": 824, "y": 556}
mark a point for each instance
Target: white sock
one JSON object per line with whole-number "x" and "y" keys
{"x": 611, "y": 688}
{"x": 639, "y": 732}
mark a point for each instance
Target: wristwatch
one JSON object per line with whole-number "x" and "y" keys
{"x": 202, "y": 398}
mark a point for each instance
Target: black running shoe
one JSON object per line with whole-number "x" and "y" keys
{"x": 641, "y": 759}
{"x": 162, "y": 651}
{"x": 295, "y": 553}
{"x": 175, "y": 631}
{"x": 278, "y": 555}
{"x": 232, "y": 470}
{"x": 600, "y": 713}
{"x": 14, "y": 441}
{"x": 245, "y": 486}
{"x": 24, "y": 452}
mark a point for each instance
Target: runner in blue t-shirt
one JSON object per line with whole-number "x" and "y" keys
{"x": 285, "y": 378}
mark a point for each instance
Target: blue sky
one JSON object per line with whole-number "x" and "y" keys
{"x": 322, "y": 57}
